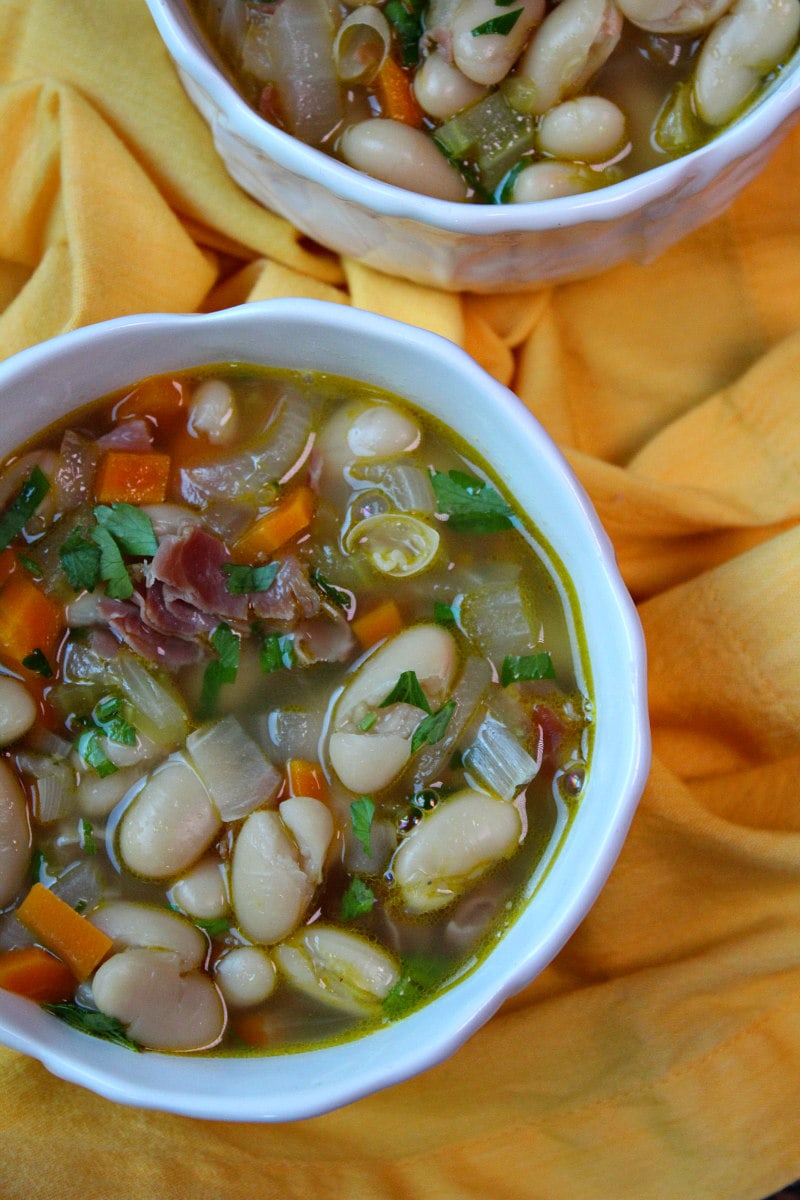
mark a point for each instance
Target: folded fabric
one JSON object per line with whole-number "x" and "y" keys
{"x": 657, "y": 1057}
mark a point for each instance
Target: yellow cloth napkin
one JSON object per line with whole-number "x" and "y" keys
{"x": 658, "y": 1057}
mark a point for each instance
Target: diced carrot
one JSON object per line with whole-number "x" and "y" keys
{"x": 306, "y": 779}
{"x": 64, "y": 931}
{"x": 396, "y": 96}
{"x": 29, "y": 619}
{"x": 251, "y": 1028}
{"x": 135, "y": 477}
{"x": 8, "y": 564}
{"x": 377, "y": 624}
{"x": 33, "y": 972}
{"x": 159, "y": 397}
{"x": 290, "y": 516}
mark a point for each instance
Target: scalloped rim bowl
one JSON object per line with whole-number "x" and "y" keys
{"x": 47, "y": 382}
{"x": 483, "y": 248}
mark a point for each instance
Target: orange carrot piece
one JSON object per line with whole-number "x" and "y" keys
{"x": 33, "y": 972}
{"x": 377, "y": 624}
{"x": 159, "y": 397}
{"x": 58, "y": 927}
{"x": 306, "y": 779}
{"x": 396, "y": 96}
{"x": 29, "y": 619}
{"x": 290, "y": 516}
{"x": 137, "y": 478}
{"x": 251, "y": 1028}
{"x": 8, "y": 564}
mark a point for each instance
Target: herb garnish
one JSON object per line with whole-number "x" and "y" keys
{"x": 130, "y": 527}
{"x": 433, "y": 727}
{"x": 406, "y": 17}
{"x": 420, "y": 974}
{"x": 276, "y": 653}
{"x": 93, "y": 754}
{"x": 213, "y": 926}
{"x": 361, "y": 813}
{"x": 241, "y": 578}
{"x": 357, "y": 899}
{"x": 329, "y": 590}
{"x": 86, "y": 835}
{"x": 407, "y": 690}
{"x": 443, "y": 614}
{"x": 501, "y": 25}
{"x": 472, "y": 505}
{"x": 519, "y": 667}
{"x": 222, "y": 669}
{"x": 112, "y": 568}
{"x": 37, "y": 661}
{"x": 95, "y": 1023}
{"x": 108, "y": 716}
{"x": 80, "y": 561}
{"x": 23, "y": 506}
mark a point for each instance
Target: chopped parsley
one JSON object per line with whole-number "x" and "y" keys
{"x": 433, "y": 727}
{"x": 276, "y": 653}
{"x": 95, "y": 1023}
{"x": 30, "y": 565}
{"x": 519, "y": 667}
{"x": 37, "y": 661}
{"x": 86, "y": 835}
{"x": 130, "y": 527}
{"x": 80, "y": 561}
{"x": 23, "y": 506}
{"x": 108, "y": 715}
{"x": 471, "y": 505}
{"x": 242, "y": 579}
{"x": 112, "y": 567}
{"x": 500, "y": 25}
{"x": 421, "y": 973}
{"x": 407, "y": 690}
{"x": 223, "y": 669}
{"x": 361, "y": 813}
{"x": 443, "y": 614}
{"x": 93, "y": 754}
{"x": 357, "y": 899}
{"x": 406, "y": 17}
{"x": 366, "y": 723}
{"x": 335, "y": 595}
{"x": 213, "y": 926}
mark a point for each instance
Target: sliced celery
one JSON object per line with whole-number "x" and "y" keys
{"x": 489, "y": 136}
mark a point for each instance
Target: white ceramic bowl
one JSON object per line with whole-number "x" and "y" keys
{"x": 48, "y": 381}
{"x": 482, "y": 248}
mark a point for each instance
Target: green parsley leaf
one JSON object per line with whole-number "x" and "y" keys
{"x": 30, "y": 565}
{"x": 443, "y": 614}
{"x": 501, "y": 25}
{"x": 36, "y": 661}
{"x": 23, "y": 506}
{"x": 366, "y": 723}
{"x": 276, "y": 653}
{"x": 357, "y": 899}
{"x": 38, "y": 870}
{"x": 433, "y": 727}
{"x": 213, "y": 926}
{"x": 421, "y": 974}
{"x": 223, "y": 669}
{"x": 112, "y": 568}
{"x": 334, "y": 594}
{"x": 131, "y": 528}
{"x": 407, "y": 21}
{"x": 472, "y": 505}
{"x": 80, "y": 561}
{"x": 407, "y": 690}
{"x": 95, "y": 1023}
{"x": 518, "y": 667}
{"x": 93, "y": 754}
{"x": 361, "y": 813}
{"x": 108, "y": 716}
{"x": 86, "y": 835}
{"x": 242, "y": 579}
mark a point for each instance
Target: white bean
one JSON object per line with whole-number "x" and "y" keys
{"x": 571, "y": 44}
{"x": 587, "y": 129}
{"x": 97, "y": 795}
{"x": 338, "y": 968}
{"x": 17, "y": 709}
{"x": 442, "y": 90}
{"x": 270, "y": 889}
{"x": 548, "y": 180}
{"x": 403, "y": 156}
{"x": 213, "y": 412}
{"x": 381, "y": 431}
{"x": 673, "y": 16}
{"x": 246, "y": 976}
{"x": 487, "y": 58}
{"x": 201, "y": 892}
{"x": 15, "y": 836}
{"x": 129, "y": 923}
{"x": 739, "y": 52}
{"x": 311, "y": 825}
{"x": 453, "y": 846}
{"x": 161, "y": 1008}
{"x": 169, "y": 823}
{"x": 368, "y": 762}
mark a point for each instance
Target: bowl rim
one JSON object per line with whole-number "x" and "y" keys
{"x": 233, "y": 116}
{"x": 324, "y": 1079}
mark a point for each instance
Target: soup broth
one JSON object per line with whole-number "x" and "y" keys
{"x": 294, "y": 710}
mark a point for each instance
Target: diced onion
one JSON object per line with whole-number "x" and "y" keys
{"x": 497, "y": 762}
{"x": 294, "y": 733}
{"x": 361, "y": 45}
{"x": 54, "y": 787}
{"x": 238, "y": 776}
{"x": 80, "y": 885}
{"x": 158, "y": 711}
{"x": 301, "y": 37}
{"x": 499, "y": 621}
{"x": 408, "y": 487}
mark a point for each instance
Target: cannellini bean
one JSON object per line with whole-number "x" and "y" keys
{"x": 442, "y": 90}
{"x": 587, "y": 129}
{"x": 547, "y": 180}
{"x": 17, "y": 709}
{"x": 311, "y": 825}
{"x": 129, "y": 923}
{"x": 246, "y": 976}
{"x": 15, "y": 836}
{"x": 169, "y": 823}
{"x": 739, "y": 51}
{"x": 368, "y": 762}
{"x": 98, "y": 795}
{"x": 452, "y": 846}
{"x": 213, "y": 412}
{"x": 403, "y": 156}
{"x": 673, "y": 16}
{"x": 381, "y": 431}
{"x": 161, "y": 1007}
{"x": 568, "y": 48}
{"x": 338, "y": 968}
{"x": 487, "y": 58}
{"x": 201, "y": 892}
{"x": 270, "y": 889}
